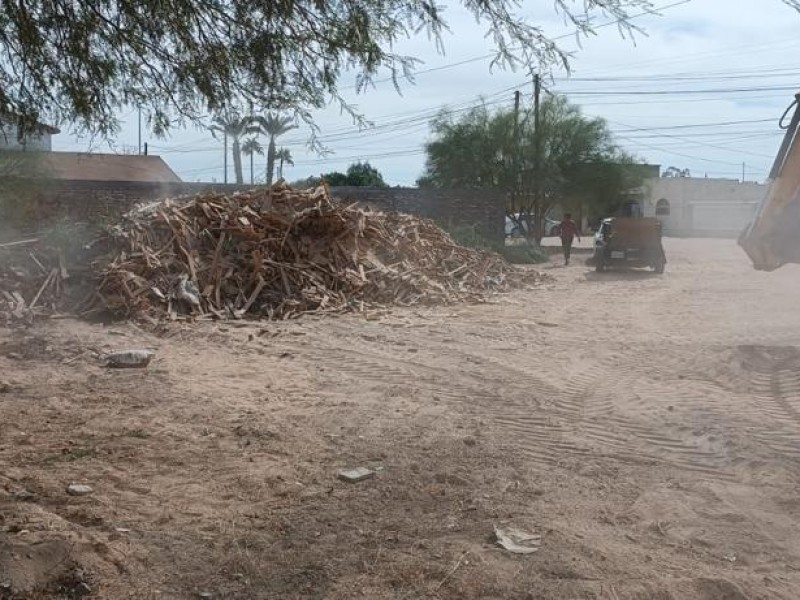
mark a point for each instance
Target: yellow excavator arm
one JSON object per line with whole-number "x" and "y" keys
{"x": 773, "y": 238}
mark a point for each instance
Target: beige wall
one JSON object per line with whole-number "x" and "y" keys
{"x": 701, "y": 206}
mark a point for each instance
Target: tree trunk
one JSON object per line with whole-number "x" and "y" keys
{"x": 237, "y": 161}
{"x": 280, "y": 169}
{"x": 270, "y": 159}
{"x": 538, "y": 222}
{"x": 251, "y": 167}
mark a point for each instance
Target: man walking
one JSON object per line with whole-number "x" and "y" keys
{"x": 569, "y": 230}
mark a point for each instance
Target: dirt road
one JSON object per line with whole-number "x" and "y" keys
{"x": 647, "y": 427}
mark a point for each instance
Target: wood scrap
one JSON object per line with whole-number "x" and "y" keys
{"x": 277, "y": 253}
{"x": 273, "y": 253}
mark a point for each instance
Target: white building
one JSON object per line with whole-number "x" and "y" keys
{"x": 693, "y": 206}
{"x": 39, "y": 140}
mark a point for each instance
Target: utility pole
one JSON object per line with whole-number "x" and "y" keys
{"x": 537, "y": 153}
{"x": 515, "y": 185}
{"x": 140, "y": 130}
{"x": 515, "y": 170}
{"x": 225, "y": 162}
{"x": 744, "y": 166}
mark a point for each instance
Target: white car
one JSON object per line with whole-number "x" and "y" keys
{"x": 551, "y": 228}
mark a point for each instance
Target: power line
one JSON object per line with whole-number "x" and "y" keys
{"x": 679, "y": 92}
{"x": 556, "y": 38}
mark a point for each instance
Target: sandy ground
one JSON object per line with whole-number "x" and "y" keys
{"x": 647, "y": 427}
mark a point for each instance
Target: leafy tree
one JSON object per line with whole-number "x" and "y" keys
{"x": 336, "y": 179}
{"x": 233, "y": 125}
{"x": 359, "y": 174}
{"x": 579, "y": 162}
{"x": 273, "y": 126}
{"x": 79, "y": 62}
{"x": 251, "y": 147}
{"x": 363, "y": 174}
{"x": 473, "y": 151}
{"x": 284, "y": 155}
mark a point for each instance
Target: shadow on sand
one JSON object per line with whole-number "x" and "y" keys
{"x": 622, "y": 275}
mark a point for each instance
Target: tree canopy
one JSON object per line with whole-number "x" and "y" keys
{"x": 359, "y": 174}
{"x": 80, "y": 62}
{"x": 579, "y": 162}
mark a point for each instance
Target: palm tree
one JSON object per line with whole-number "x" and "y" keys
{"x": 232, "y": 124}
{"x": 284, "y": 155}
{"x": 251, "y": 147}
{"x": 273, "y": 125}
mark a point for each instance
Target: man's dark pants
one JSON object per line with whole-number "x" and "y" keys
{"x": 566, "y": 244}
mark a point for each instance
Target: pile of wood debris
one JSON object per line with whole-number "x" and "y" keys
{"x": 280, "y": 252}
{"x": 32, "y": 280}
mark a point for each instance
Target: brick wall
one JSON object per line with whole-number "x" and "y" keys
{"x": 104, "y": 199}
{"x": 447, "y": 207}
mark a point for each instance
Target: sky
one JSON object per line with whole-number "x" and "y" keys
{"x": 702, "y": 87}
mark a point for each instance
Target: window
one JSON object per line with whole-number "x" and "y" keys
{"x": 662, "y": 208}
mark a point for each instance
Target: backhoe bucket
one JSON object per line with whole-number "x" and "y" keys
{"x": 773, "y": 238}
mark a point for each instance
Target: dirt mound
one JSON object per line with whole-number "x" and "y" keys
{"x": 40, "y": 563}
{"x": 281, "y": 252}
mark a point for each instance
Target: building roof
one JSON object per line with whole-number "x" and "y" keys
{"x": 80, "y": 166}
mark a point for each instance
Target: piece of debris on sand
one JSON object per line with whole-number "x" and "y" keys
{"x": 356, "y": 475}
{"x": 78, "y": 489}
{"x": 129, "y": 359}
{"x": 517, "y": 541}
{"x": 279, "y": 252}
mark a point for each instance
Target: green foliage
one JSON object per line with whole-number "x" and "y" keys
{"x": 580, "y": 164}
{"x": 358, "y": 175}
{"x": 469, "y": 236}
{"x": 336, "y": 179}
{"x": 365, "y": 175}
{"x": 525, "y": 254}
{"x": 80, "y": 62}
{"x": 469, "y": 152}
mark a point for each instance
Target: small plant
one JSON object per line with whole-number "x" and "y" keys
{"x": 525, "y": 254}
{"x": 469, "y": 236}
